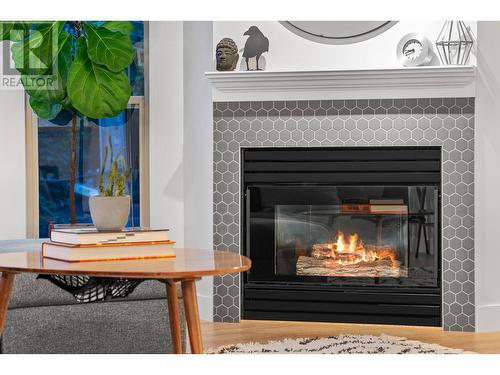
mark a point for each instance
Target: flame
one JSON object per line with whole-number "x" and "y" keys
{"x": 340, "y": 245}
{"x": 353, "y": 241}
{"x": 354, "y": 251}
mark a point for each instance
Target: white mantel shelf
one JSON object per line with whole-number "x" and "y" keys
{"x": 419, "y": 82}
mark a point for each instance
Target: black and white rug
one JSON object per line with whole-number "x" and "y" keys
{"x": 339, "y": 344}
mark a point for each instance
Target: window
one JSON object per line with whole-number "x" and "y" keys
{"x": 49, "y": 156}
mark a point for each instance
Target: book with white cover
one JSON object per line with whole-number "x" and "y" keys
{"x": 90, "y": 253}
{"x": 86, "y": 235}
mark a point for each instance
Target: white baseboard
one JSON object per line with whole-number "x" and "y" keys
{"x": 487, "y": 318}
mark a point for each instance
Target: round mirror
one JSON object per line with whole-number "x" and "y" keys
{"x": 338, "y": 32}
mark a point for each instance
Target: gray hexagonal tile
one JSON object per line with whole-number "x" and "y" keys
{"x": 448, "y": 123}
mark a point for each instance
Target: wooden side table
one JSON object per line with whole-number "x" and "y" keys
{"x": 188, "y": 266}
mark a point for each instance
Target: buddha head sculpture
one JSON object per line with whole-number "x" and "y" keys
{"x": 226, "y": 55}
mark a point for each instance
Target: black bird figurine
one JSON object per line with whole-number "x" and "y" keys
{"x": 255, "y": 46}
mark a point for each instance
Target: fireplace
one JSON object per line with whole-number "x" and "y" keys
{"x": 347, "y": 234}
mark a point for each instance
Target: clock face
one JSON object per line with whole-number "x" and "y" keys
{"x": 412, "y": 49}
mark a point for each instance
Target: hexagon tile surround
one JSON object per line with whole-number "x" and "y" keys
{"x": 447, "y": 122}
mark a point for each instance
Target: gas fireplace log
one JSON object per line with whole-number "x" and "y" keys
{"x": 328, "y": 250}
{"x": 309, "y": 266}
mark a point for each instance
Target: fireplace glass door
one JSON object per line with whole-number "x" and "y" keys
{"x": 354, "y": 235}
{"x": 349, "y": 240}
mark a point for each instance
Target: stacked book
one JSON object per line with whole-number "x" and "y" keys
{"x": 86, "y": 244}
{"x": 377, "y": 206}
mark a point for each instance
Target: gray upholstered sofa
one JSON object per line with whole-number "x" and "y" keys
{"x": 43, "y": 318}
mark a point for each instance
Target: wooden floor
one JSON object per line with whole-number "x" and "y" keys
{"x": 217, "y": 334}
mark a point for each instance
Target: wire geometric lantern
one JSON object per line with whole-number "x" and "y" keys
{"x": 454, "y": 43}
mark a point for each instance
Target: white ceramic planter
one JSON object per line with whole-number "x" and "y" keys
{"x": 109, "y": 213}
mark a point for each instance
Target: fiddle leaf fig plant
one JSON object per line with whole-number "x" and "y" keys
{"x": 72, "y": 70}
{"x": 85, "y": 59}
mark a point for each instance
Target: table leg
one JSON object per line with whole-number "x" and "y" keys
{"x": 6, "y": 281}
{"x": 192, "y": 315}
{"x": 174, "y": 317}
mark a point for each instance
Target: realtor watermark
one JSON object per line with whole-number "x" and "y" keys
{"x": 29, "y": 59}
{"x": 40, "y": 82}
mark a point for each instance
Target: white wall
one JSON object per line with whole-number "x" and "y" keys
{"x": 180, "y": 113}
{"x": 198, "y": 153}
{"x": 12, "y": 164}
{"x": 487, "y": 178}
{"x": 166, "y": 128}
{"x": 288, "y": 51}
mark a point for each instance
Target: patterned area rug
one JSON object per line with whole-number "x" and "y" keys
{"x": 339, "y": 344}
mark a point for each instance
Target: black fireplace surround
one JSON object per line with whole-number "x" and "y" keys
{"x": 347, "y": 234}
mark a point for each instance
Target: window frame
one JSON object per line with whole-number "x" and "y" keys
{"x": 32, "y": 168}
{"x": 31, "y": 161}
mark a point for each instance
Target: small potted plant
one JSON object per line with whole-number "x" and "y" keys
{"x": 110, "y": 209}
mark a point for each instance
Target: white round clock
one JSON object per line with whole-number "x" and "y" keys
{"x": 414, "y": 50}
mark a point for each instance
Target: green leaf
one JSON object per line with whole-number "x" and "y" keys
{"x": 66, "y": 104}
{"x": 62, "y": 118}
{"x": 125, "y": 27}
{"x": 94, "y": 90}
{"x": 36, "y": 53}
{"x": 110, "y": 48}
{"x": 44, "y": 109}
{"x": 13, "y": 31}
{"x": 44, "y": 88}
{"x": 52, "y": 87}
